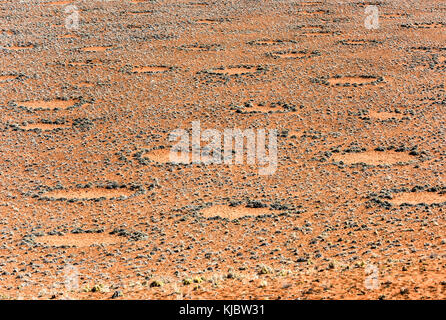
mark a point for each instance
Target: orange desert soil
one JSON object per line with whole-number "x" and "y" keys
{"x": 354, "y": 209}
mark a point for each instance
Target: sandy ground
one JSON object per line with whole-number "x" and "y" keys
{"x": 93, "y": 207}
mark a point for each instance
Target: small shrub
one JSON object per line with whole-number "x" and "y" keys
{"x": 264, "y": 269}
{"x": 156, "y": 283}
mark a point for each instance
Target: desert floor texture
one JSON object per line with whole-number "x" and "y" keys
{"x": 92, "y": 207}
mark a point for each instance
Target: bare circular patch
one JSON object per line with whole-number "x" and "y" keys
{"x": 163, "y": 156}
{"x": 425, "y": 25}
{"x": 293, "y": 54}
{"x": 95, "y": 49}
{"x": 269, "y": 42}
{"x": 45, "y": 126}
{"x": 358, "y": 42}
{"x": 386, "y": 115}
{"x": 314, "y": 12}
{"x": 230, "y": 212}
{"x": 418, "y": 198}
{"x": 5, "y": 78}
{"x": 374, "y": 157}
{"x": 150, "y": 69}
{"x": 88, "y": 193}
{"x": 79, "y": 240}
{"x": 166, "y": 156}
{"x": 20, "y": 47}
{"x": 350, "y": 81}
{"x": 234, "y": 70}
